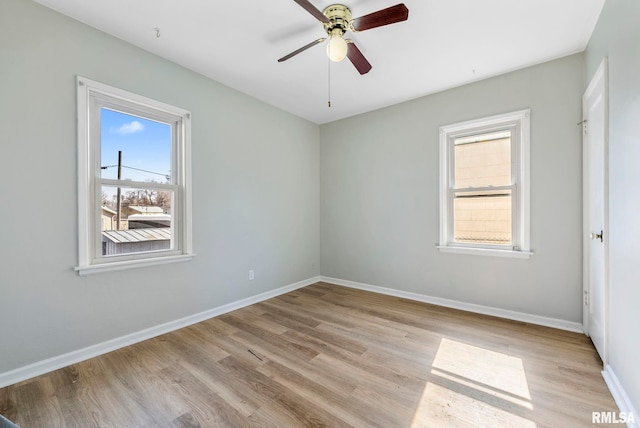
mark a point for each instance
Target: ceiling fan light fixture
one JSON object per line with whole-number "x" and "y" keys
{"x": 337, "y": 47}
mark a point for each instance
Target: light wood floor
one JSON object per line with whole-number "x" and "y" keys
{"x": 327, "y": 355}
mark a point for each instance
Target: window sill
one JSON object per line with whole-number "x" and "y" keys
{"x": 130, "y": 264}
{"x": 485, "y": 252}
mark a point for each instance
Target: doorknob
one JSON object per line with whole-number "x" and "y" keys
{"x": 597, "y": 235}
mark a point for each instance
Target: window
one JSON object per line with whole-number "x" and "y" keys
{"x": 484, "y": 186}
{"x": 133, "y": 180}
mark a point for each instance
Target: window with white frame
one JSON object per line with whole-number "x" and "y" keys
{"x": 484, "y": 186}
{"x": 133, "y": 180}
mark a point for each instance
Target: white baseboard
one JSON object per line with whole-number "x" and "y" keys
{"x": 620, "y": 397}
{"x": 470, "y": 307}
{"x": 73, "y": 357}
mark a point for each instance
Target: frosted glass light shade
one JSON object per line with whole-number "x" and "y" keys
{"x": 336, "y": 48}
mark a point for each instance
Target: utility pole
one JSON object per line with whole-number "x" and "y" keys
{"x": 119, "y": 194}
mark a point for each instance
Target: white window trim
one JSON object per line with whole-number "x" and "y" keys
{"x": 522, "y": 205}
{"x": 88, "y": 216}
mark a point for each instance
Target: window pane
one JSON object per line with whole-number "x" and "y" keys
{"x": 483, "y": 160}
{"x": 145, "y": 147}
{"x": 142, "y": 223}
{"x": 482, "y": 218}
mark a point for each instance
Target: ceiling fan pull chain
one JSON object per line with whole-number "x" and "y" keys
{"x": 329, "y": 83}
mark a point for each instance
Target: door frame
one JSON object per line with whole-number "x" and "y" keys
{"x": 601, "y": 73}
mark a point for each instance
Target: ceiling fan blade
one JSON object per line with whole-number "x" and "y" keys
{"x": 306, "y": 5}
{"x": 302, "y": 49}
{"x": 357, "y": 59}
{"x": 387, "y": 16}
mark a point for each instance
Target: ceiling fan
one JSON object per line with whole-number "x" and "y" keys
{"x": 336, "y": 20}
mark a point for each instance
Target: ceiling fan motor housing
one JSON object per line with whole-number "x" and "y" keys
{"x": 339, "y": 17}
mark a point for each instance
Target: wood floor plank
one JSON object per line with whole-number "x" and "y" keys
{"x": 300, "y": 409}
{"x": 339, "y": 385}
{"x": 208, "y": 408}
{"x": 326, "y": 355}
{"x": 322, "y": 396}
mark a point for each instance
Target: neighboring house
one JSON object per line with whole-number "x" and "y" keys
{"x": 108, "y": 218}
{"x": 143, "y": 217}
{"x": 136, "y": 209}
{"x": 133, "y": 241}
{"x": 141, "y": 221}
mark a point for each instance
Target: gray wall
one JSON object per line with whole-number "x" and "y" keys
{"x": 255, "y": 192}
{"x": 379, "y": 196}
{"x": 617, "y": 36}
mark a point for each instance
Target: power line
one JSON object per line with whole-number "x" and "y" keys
{"x": 168, "y": 177}
{"x": 150, "y": 172}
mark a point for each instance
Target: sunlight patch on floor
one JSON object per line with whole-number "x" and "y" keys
{"x": 443, "y": 407}
{"x": 473, "y": 386}
{"x": 500, "y": 372}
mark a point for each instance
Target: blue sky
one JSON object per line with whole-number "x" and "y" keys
{"x": 145, "y": 145}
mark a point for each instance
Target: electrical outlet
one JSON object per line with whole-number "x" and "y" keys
{"x": 252, "y": 275}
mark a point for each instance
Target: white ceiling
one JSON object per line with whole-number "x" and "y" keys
{"x": 443, "y": 44}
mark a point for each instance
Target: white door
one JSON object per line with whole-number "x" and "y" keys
{"x": 594, "y": 105}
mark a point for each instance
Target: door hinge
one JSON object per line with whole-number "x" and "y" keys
{"x": 586, "y": 298}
